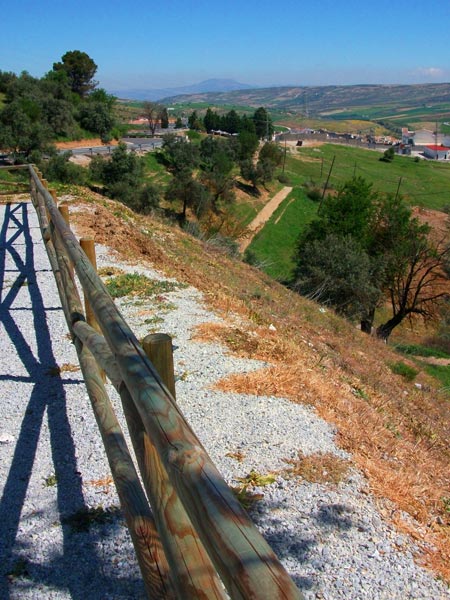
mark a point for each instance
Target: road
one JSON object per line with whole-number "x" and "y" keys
{"x": 136, "y": 144}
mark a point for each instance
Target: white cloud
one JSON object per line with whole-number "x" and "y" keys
{"x": 432, "y": 72}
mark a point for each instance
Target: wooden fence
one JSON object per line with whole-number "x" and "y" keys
{"x": 192, "y": 538}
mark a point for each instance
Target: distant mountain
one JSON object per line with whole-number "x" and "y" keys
{"x": 209, "y": 85}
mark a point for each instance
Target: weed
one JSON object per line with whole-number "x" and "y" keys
{"x": 446, "y": 503}
{"x": 359, "y": 393}
{"x": 391, "y": 427}
{"x": 153, "y": 320}
{"x": 254, "y": 479}
{"x": 405, "y": 371}
{"x": 318, "y": 468}
{"x": 50, "y": 481}
{"x": 83, "y": 519}
{"x": 134, "y": 284}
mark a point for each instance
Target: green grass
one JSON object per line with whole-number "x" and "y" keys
{"x": 423, "y": 183}
{"x": 440, "y": 372}
{"x": 273, "y": 246}
{"x": 405, "y": 371}
{"x": 420, "y": 350}
{"x": 154, "y": 170}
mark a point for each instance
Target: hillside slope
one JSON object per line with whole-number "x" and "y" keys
{"x": 397, "y": 433}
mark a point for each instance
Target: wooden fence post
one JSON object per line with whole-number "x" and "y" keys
{"x": 88, "y": 245}
{"x": 158, "y": 347}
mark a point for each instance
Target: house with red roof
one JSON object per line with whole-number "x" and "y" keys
{"x": 436, "y": 152}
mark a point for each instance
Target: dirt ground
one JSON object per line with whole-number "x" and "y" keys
{"x": 91, "y": 142}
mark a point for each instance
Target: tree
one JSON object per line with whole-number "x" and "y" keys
{"x": 272, "y": 152}
{"x": 185, "y": 189}
{"x": 80, "y": 70}
{"x": 164, "y": 118}
{"x": 248, "y": 144}
{"x": 263, "y": 124}
{"x": 250, "y": 173}
{"x": 194, "y": 121}
{"x": 217, "y": 166}
{"x": 178, "y": 123}
{"x": 179, "y": 154}
{"x": 336, "y": 271}
{"x": 419, "y": 283}
{"x": 152, "y": 112}
{"x": 396, "y": 253}
{"x": 96, "y": 117}
{"x": 211, "y": 121}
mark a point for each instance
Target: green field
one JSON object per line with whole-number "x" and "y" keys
{"x": 424, "y": 183}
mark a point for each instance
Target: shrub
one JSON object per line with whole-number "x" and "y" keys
{"x": 59, "y": 168}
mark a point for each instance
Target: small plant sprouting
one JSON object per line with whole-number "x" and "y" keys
{"x": 247, "y": 497}
{"x": 50, "y": 481}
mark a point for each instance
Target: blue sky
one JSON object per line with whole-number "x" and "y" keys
{"x": 170, "y": 42}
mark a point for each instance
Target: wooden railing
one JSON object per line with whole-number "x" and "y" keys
{"x": 191, "y": 536}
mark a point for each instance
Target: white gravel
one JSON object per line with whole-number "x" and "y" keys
{"x": 331, "y": 538}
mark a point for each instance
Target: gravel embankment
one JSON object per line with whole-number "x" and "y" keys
{"x": 331, "y": 538}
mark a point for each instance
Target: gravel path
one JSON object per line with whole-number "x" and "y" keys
{"x": 61, "y": 533}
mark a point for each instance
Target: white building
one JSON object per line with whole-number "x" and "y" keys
{"x": 421, "y": 137}
{"x": 437, "y": 152}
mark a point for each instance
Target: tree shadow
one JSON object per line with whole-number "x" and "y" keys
{"x": 79, "y": 565}
{"x": 248, "y": 189}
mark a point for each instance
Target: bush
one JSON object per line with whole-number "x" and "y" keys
{"x": 59, "y": 168}
{"x": 388, "y": 155}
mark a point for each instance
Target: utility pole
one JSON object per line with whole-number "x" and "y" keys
{"x": 326, "y": 183}
{"x": 398, "y": 187}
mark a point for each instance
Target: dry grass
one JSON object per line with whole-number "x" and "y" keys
{"x": 397, "y": 435}
{"x": 318, "y": 468}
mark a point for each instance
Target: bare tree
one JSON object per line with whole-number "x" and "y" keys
{"x": 152, "y": 112}
{"x": 420, "y": 287}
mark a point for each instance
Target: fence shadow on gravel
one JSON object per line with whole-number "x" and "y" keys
{"x": 46, "y": 400}
{"x": 192, "y": 538}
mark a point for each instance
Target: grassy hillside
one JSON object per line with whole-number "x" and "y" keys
{"x": 398, "y": 433}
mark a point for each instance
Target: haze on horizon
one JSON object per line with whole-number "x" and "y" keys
{"x": 178, "y": 43}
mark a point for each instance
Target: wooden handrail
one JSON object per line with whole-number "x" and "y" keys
{"x": 244, "y": 561}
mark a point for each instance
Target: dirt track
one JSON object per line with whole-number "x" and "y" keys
{"x": 263, "y": 216}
